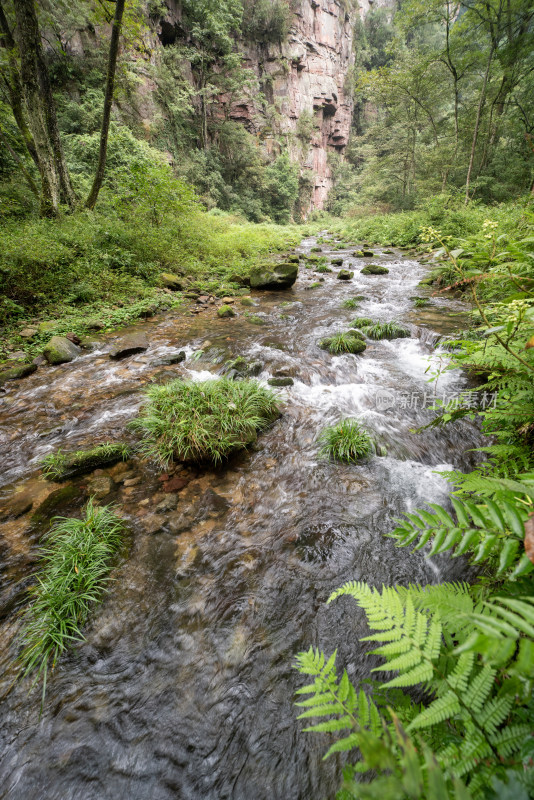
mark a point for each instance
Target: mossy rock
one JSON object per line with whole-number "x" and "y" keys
{"x": 367, "y": 253}
{"x": 358, "y": 254}
{"x": 293, "y": 258}
{"x": 247, "y": 301}
{"x": 225, "y": 311}
{"x": 317, "y": 250}
{"x": 255, "y": 319}
{"x": 280, "y": 381}
{"x": 337, "y": 262}
{"x": 357, "y": 334}
{"x": 59, "y": 466}
{"x": 47, "y": 327}
{"x": 345, "y": 275}
{"x": 60, "y": 350}
{"x": 54, "y": 503}
{"x": 15, "y": 373}
{"x": 274, "y": 276}
{"x": 374, "y": 269}
{"x": 171, "y": 281}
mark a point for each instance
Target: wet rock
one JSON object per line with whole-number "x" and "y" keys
{"x": 274, "y": 276}
{"x": 358, "y": 254}
{"x": 337, "y": 262}
{"x": 389, "y": 252}
{"x": 15, "y": 373}
{"x": 228, "y": 300}
{"x": 54, "y": 503}
{"x": 16, "y": 506}
{"x": 247, "y": 301}
{"x": 367, "y": 253}
{"x": 255, "y": 319}
{"x": 149, "y": 311}
{"x": 153, "y": 523}
{"x": 60, "y": 350}
{"x": 90, "y": 343}
{"x": 176, "y": 483}
{"x": 176, "y": 357}
{"x": 285, "y": 372}
{"x": 72, "y": 337}
{"x": 280, "y": 381}
{"x": 254, "y": 369}
{"x": 225, "y": 311}
{"x": 294, "y": 258}
{"x": 171, "y": 281}
{"x": 345, "y": 275}
{"x": 132, "y": 481}
{"x": 28, "y": 333}
{"x": 100, "y": 486}
{"x": 17, "y": 355}
{"x": 212, "y": 504}
{"x": 374, "y": 269}
{"x": 68, "y": 465}
{"x": 169, "y": 503}
{"x": 180, "y": 521}
{"x": 128, "y": 345}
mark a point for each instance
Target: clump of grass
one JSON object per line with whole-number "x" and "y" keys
{"x": 323, "y": 268}
{"x": 347, "y": 441}
{"x": 420, "y": 302}
{"x": 386, "y": 330}
{"x": 60, "y": 465}
{"x": 205, "y": 421}
{"x": 75, "y": 565}
{"x": 362, "y": 322}
{"x": 339, "y": 343}
{"x": 353, "y": 302}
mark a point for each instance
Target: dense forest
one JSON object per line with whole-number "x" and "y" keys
{"x": 219, "y": 177}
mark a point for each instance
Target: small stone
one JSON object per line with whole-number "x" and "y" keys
{"x": 60, "y": 350}
{"x": 100, "y": 486}
{"x": 153, "y": 523}
{"x": 72, "y": 337}
{"x": 16, "y": 506}
{"x": 93, "y": 324}
{"x": 337, "y": 262}
{"x": 228, "y": 300}
{"x": 128, "y": 345}
{"x": 132, "y": 481}
{"x": 175, "y": 357}
{"x": 144, "y": 502}
{"x": 367, "y": 253}
{"x": 17, "y": 355}
{"x": 28, "y": 333}
{"x": 175, "y": 483}
{"x": 168, "y": 504}
{"x": 247, "y": 301}
{"x": 225, "y": 311}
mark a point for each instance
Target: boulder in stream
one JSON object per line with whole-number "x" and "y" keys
{"x": 129, "y": 344}
{"x": 274, "y": 276}
{"x": 374, "y": 269}
{"x": 58, "y": 466}
{"x": 60, "y": 350}
{"x": 280, "y": 381}
{"x": 337, "y": 262}
{"x": 225, "y": 311}
{"x": 16, "y": 372}
{"x": 345, "y": 275}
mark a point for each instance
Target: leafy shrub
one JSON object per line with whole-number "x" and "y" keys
{"x": 203, "y": 421}
{"x": 349, "y": 342}
{"x": 347, "y": 441}
{"x": 75, "y": 565}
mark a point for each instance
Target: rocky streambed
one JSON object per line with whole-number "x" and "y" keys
{"x": 184, "y": 685}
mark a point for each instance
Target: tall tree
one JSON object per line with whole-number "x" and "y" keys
{"x": 56, "y": 186}
{"x": 108, "y": 101}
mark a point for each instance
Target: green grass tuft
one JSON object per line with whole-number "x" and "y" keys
{"x": 386, "y": 330}
{"x": 339, "y": 343}
{"x": 362, "y": 322}
{"x": 203, "y": 422}
{"x": 60, "y": 465}
{"x": 75, "y": 565}
{"x": 353, "y": 302}
{"x": 347, "y": 441}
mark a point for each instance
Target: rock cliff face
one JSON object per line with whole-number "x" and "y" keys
{"x": 305, "y": 80}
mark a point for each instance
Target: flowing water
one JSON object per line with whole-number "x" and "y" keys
{"x": 184, "y": 685}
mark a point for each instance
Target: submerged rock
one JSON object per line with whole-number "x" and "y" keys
{"x": 60, "y": 350}
{"x": 367, "y": 253}
{"x": 337, "y": 262}
{"x": 175, "y": 357}
{"x": 274, "y": 276}
{"x": 128, "y": 345}
{"x": 14, "y": 373}
{"x": 100, "y": 485}
{"x": 247, "y": 301}
{"x": 345, "y": 275}
{"x": 66, "y": 465}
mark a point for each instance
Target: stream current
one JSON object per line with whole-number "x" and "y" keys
{"x": 184, "y": 686}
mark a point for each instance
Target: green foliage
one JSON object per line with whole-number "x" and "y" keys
{"x": 75, "y": 564}
{"x": 58, "y": 466}
{"x": 346, "y": 441}
{"x": 351, "y": 342}
{"x": 352, "y": 302}
{"x": 362, "y": 322}
{"x": 204, "y": 421}
{"x": 266, "y": 20}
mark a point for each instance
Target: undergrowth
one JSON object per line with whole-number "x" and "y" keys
{"x": 351, "y": 342}
{"x": 346, "y": 441}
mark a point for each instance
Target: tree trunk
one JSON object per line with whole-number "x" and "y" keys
{"x": 55, "y": 180}
{"x": 108, "y": 102}
{"x": 481, "y": 103}
{"x": 14, "y": 85}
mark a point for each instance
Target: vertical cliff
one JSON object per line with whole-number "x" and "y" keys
{"x": 305, "y": 79}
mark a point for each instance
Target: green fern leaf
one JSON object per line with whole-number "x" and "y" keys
{"x": 439, "y": 710}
